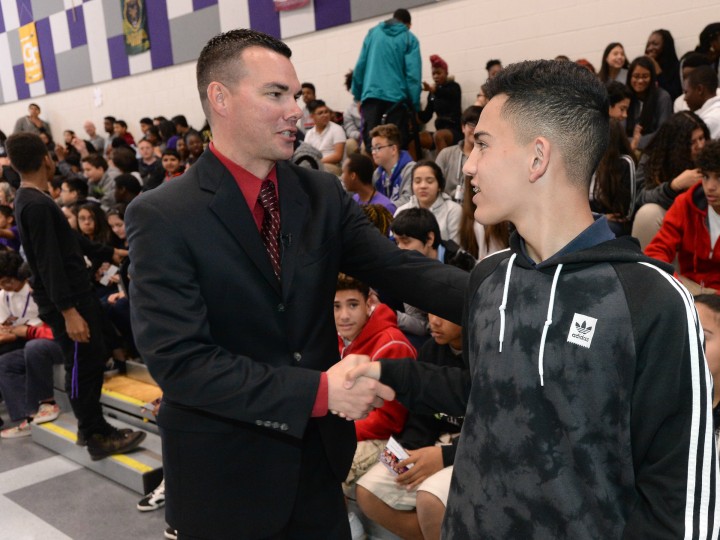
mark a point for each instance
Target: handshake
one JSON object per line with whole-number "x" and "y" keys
{"x": 354, "y": 388}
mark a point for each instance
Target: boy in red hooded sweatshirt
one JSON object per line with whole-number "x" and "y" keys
{"x": 364, "y": 329}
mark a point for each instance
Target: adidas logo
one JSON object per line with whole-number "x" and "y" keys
{"x": 582, "y": 330}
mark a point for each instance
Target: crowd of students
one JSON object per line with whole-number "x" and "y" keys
{"x": 659, "y": 181}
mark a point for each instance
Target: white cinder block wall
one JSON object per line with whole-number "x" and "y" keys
{"x": 466, "y": 33}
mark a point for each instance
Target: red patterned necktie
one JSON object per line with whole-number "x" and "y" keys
{"x": 270, "y": 230}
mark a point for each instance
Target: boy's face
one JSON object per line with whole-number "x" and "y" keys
{"x": 308, "y": 95}
{"x": 498, "y": 165}
{"x": 711, "y": 327}
{"x": 711, "y": 187}
{"x": 348, "y": 178}
{"x": 445, "y": 332}
{"x": 92, "y": 173}
{"x": 67, "y": 196}
{"x": 413, "y": 244}
{"x": 383, "y": 153}
{"x": 145, "y": 149}
{"x": 119, "y": 129}
{"x": 171, "y": 164}
{"x": 351, "y": 313}
{"x": 321, "y": 117}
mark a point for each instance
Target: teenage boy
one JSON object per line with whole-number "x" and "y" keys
{"x": 701, "y": 87}
{"x": 326, "y": 136}
{"x": 691, "y": 228}
{"x": 393, "y": 177}
{"x": 589, "y": 414}
{"x": 307, "y": 90}
{"x": 100, "y": 184}
{"x": 412, "y": 504}
{"x": 73, "y": 190}
{"x": 357, "y": 173}
{"x": 451, "y": 159}
{"x": 171, "y": 164}
{"x": 65, "y": 297}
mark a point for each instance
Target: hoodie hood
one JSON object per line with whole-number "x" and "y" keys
{"x": 393, "y": 27}
{"x": 379, "y": 331}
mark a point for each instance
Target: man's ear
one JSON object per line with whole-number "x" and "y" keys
{"x": 217, "y": 94}
{"x": 539, "y": 158}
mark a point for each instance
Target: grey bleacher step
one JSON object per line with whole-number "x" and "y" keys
{"x": 139, "y": 470}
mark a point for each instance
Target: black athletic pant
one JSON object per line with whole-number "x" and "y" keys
{"x": 372, "y": 112}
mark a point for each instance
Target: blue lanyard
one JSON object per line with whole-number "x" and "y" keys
{"x": 27, "y": 303}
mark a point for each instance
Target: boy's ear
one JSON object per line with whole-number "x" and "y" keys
{"x": 430, "y": 238}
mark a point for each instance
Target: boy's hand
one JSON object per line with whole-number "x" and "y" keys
{"x": 425, "y": 462}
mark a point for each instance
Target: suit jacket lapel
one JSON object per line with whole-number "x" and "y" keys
{"x": 294, "y": 206}
{"x": 230, "y": 207}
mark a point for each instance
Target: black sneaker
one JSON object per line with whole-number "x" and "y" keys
{"x": 82, "y": 441}
{"x": 170, "y": 533}
{"x": 116, "y": 442}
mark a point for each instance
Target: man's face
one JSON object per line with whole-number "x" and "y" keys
{"x": 307, "y": 95}
{"x": 620, "y": 109}
{"x": 445, "y": 332}
{"x": 351, "y": 313}
{"x": 497, "y": 165}
{"x": 384, "y": 153}
{"x": 108, "y": 126}
{"x": 413, "y": 244}
{"x": 171, "y": 164}
{"x": 93, "y": 174}
{"x": 711, "y": 187}
{"x": 321, "y": 117}
{"x": 34, "y": 111}
{"x": 262, "y": 102}
{"x": 89, "y": 128}
{"x": 144, "y": 127}
{"x": 67, "y": 196}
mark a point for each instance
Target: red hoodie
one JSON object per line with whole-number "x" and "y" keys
{"x": 380, "y": 338}
{"x": 685, "y": 231}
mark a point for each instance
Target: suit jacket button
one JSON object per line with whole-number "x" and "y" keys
{"x": 258, "y": 422}
{"x": 284, "y": 427}
{"x": 281, "y": 307}
{"x": 297, "y": 356}
{"x": 268, "y": 423}
{"x": 275, "y": 425}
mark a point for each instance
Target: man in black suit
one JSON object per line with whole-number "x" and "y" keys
{"x": 232, "y": 311}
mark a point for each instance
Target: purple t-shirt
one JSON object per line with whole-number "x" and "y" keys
{"x": 378, "y": 198}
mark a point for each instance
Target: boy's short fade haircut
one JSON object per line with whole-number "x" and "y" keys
{"x": 492, "y": 63}
{"x": 347, "y": 283}
{"x": 703, "y": 75}
{"x": 129, "y": 183}
{"x": 171, "y": 152}
{"x": 417, "y": 223}
{"x": 361, "y": 165}
{"x": 437, "y": 171}
{"x": 471, "y": 115}
{"x": 219, "y": 54}
{"x": 13, "y": 266}
{"x": 146, "y": 120}
{"x": 125, "y": 160}
{"x": 26, "y": 152}
{"x": 388, "y": 131}
{"x": 97, "y": 161}
{"x": 77, "y": 185}
{"x": 561, "y": 101}
{"x": 315, "y": 104}
{"x": 708, "y": 159}
{"x": 402, "y": 15}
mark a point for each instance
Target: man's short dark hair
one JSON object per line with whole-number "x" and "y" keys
{"x": 26, "y": 152}
{"x": 705, "y": 76}
{"x": 361, "y": 165}
{"x": 309, "y": 85}
{"x": 124, "y": 159}
{"x": 617, "y": 91}
{"x": 694, "y": 60}
{"x": 216, "y": 58}
{"x": 77, "y": 185}
{"x": 110, "y": 119}
{"x": 561, "y": 101}
{"x": 402, "y": 15}
{"x": 180, "y": 120}
{"x": 708, "y": 160}
{"x": 416, "y": 223}
{"x": 96, "y": 160}
{"x": 471, "y": 115}
{"x": 315, "y": 104}
{"x": 492, "y": 63}
{"x": 129, "y": 183}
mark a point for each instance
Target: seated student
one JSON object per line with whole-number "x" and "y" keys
{"x": 451, "y": 159}
{"x": 195, "y": 147}
{"x": 172, "y": 165}
{"x": 708, "y": 309}
{"x": 374, "y": 332}
{"x": 393, "y": 176}
{"x": 120, "y": 129}
{"x": 428, "y": 188}
{"x": 9, "y": 236}
{"x": 692, "y": 226}
{"x": 357, "y": 173}
{"x": 127, "y": 187}
{"x": 148, "y": 162}
{"x": 26, "y": 373}
{"x": 73, "y": 190}
{"x": 412, "y": 504}
{"x": 100, "y": 184}
{"x": 326, "y": 136}
{"x": 619, "y": 97}
{"x": 444, "y": 100}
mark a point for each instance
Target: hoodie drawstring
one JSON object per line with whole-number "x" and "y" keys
{"x": 504, "y": 300}
{"x": 548, "y": 322}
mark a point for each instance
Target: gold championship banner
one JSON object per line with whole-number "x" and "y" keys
{"x": 30, "y": 53}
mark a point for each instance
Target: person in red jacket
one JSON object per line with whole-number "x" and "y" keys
{"x": 374, "y": 332}
{"x": 692, "y": 226}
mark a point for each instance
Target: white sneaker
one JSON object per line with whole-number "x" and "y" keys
{"x": 21, "y": 430}
{"x": 46, "y": 413}
{"x": 357, "y": 531}
{"x": 153, "y": 500}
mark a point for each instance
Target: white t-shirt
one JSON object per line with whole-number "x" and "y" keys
{"x": 326, "y": 141}
{"x": 20, "y": 306}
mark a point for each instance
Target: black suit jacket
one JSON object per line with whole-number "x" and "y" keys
{"x": 238, "y": 354}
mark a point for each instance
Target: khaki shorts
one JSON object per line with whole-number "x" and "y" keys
{"x": 366, "y": 455}
{"x": 381, "y": 482}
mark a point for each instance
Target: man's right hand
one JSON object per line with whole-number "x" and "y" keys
{"x": 75, "y": 326}
{"x": 354, "y": 401}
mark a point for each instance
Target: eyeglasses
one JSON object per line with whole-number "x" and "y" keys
{"x": 375, "y": 149}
